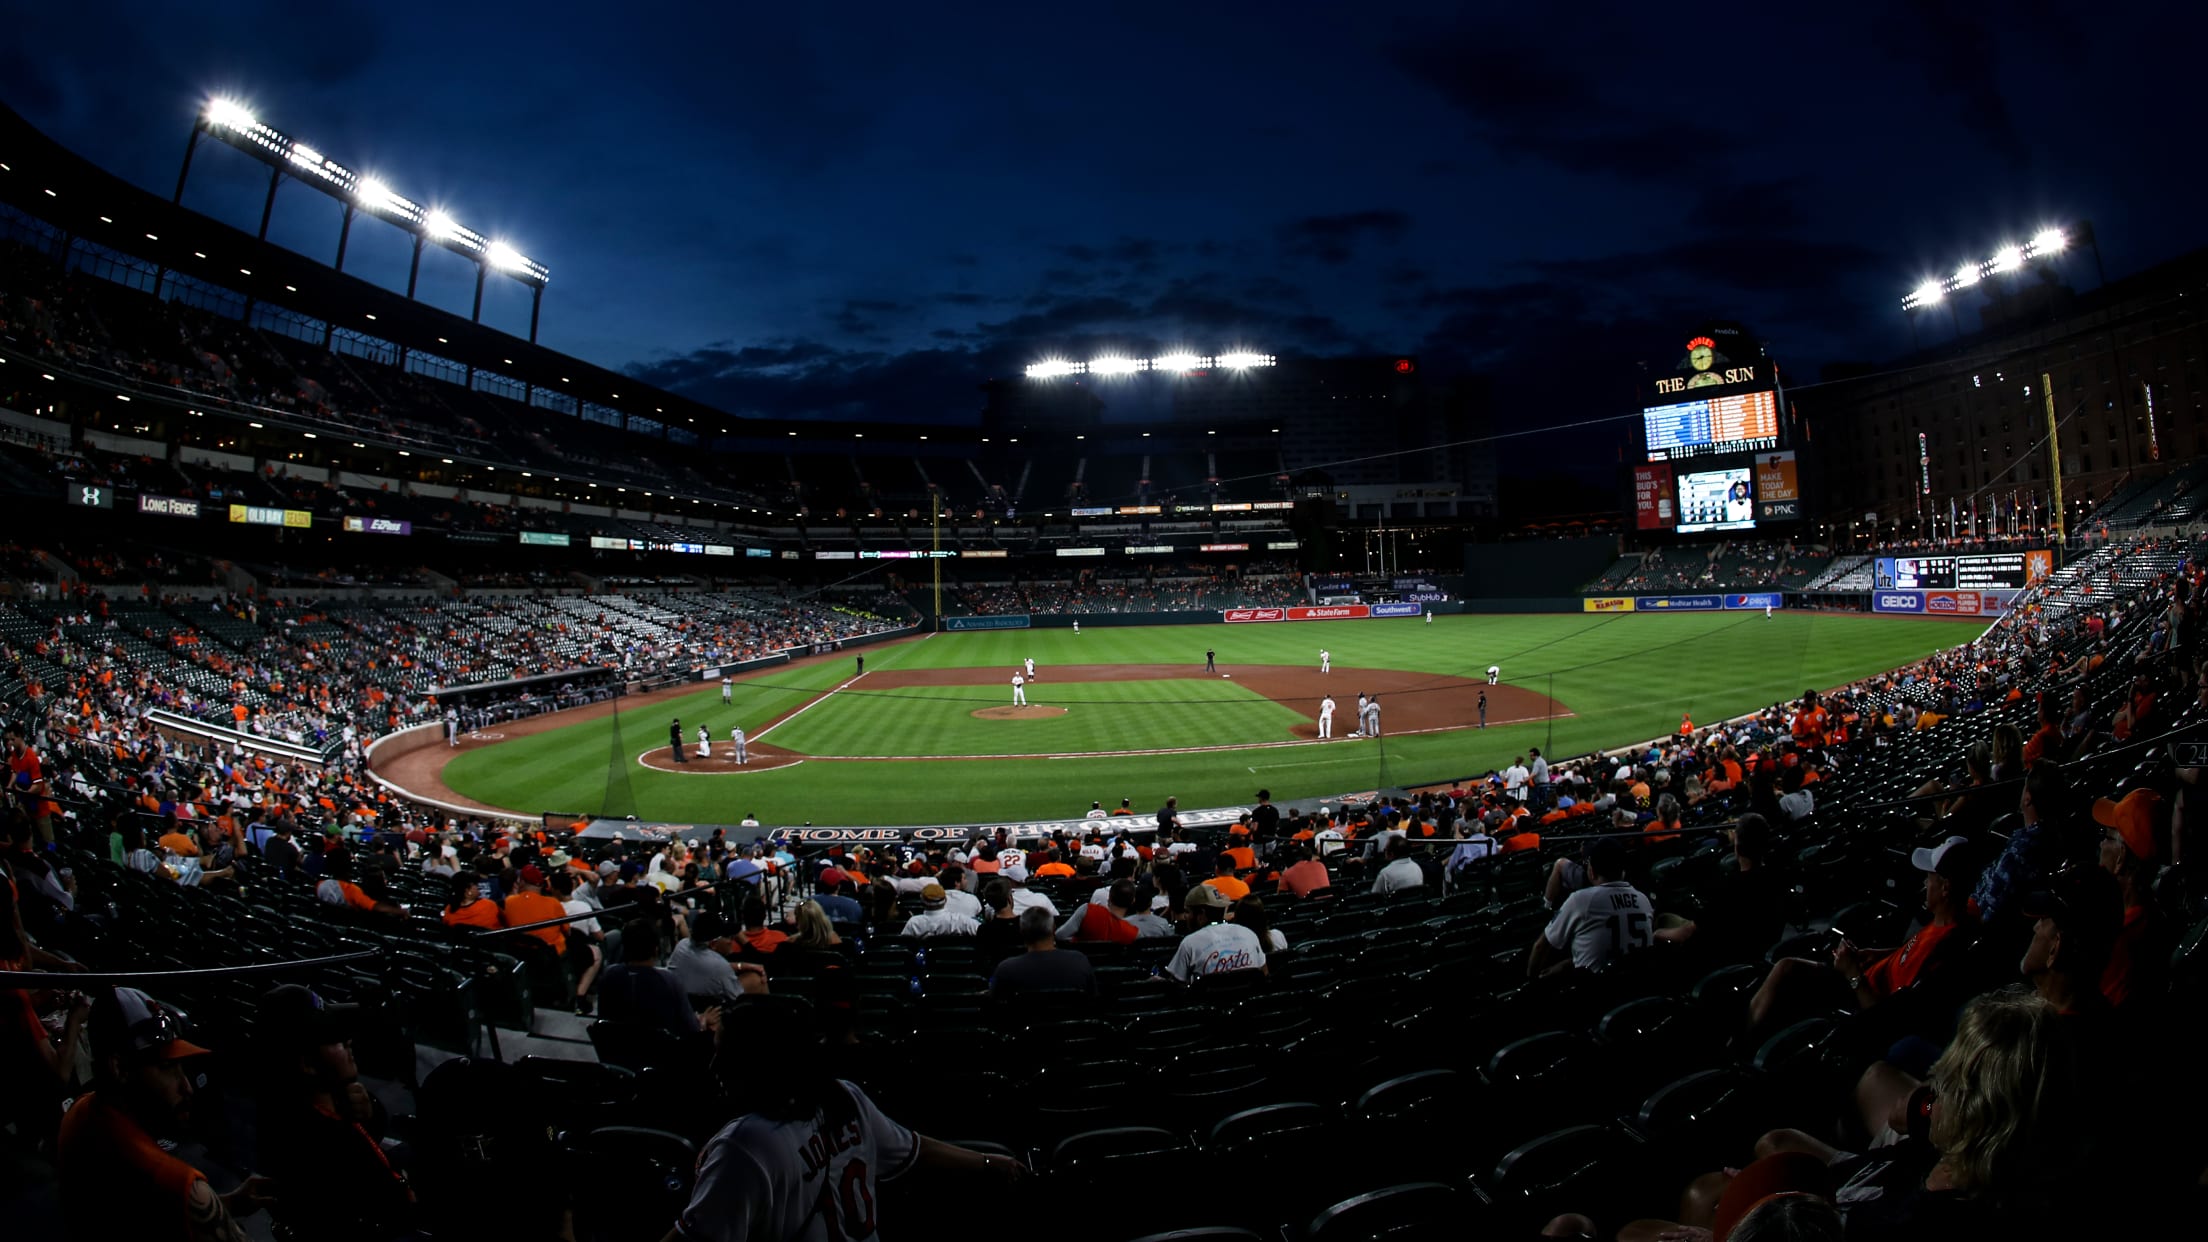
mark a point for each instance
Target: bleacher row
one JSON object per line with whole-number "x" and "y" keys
{"x": 1392, "y": 1073}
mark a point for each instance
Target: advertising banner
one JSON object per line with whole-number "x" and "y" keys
{"x": 1235, "y": 616}
{"x": 1148, "y": 549}
{"x": 1080, "y": 551}
{"x": 258, "y": 515}
{"x": 719, "y": 549}
{"x": 543, "y": 539}
{"x": 1225, "y": 547}
{"x": 1282, "y": 545}
{"x": 378, "y": 526}
{"x": 1139, "y": 510}
{"x": 1334, "y": 612}
{"x": 609, "y": 543}
{"x": 1678, "y": 603}
{"x": 1756, "y": 599}
{"x": 1092, "y": 511}
{"x": 1397, "y": 610}
{"x": 1897, "y": 601}
{"x": 764, "y": 553}
{"x": 835, "y": 556}
{"x": 90, "y": 495}
{"x": 1654, "y": 505}
{"x": 994, "y": 554}
{"x": 1778, "y": 489}
{"x": 1001, "y": 621}
{"x": 1608, "y": 603}
{"x": 168, "y": 506}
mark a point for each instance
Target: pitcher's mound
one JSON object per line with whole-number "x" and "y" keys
{"x": 1033, "y": 711}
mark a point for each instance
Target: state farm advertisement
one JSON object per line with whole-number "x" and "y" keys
{"x": 1654, "y": 506}
{"x": 1336, "y": 612}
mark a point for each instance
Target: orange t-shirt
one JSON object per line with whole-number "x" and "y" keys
{"x": 1054, "y": 869}
{"x": 116, "y": 1181}
{"x": 1521, "y": 841}
{"x": 1234, "y": 889}
{"x": 1906, "y": 964}
{"x": 180, "y": 844}
{"x": 483, "y": 914}
{"x": 1244, "y": 857}
{"x": 535, "y": 908}
{"x": 764, "y": 940}
{"x": 1650, "y": 834}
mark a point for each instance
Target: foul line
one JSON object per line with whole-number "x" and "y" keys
{"x": 808, "y": 706}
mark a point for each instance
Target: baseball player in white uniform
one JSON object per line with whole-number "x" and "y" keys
{"x": 1077, "y": 628}
{"x": 736, "y": 740}
{"x": 1326, "y": 660}
{"x": 1494, "y": 675}
{"x": 1019, "y": 690}
{"x": 1031, "y": 668}
{"x": 705, "y": 743}
{"x": 452, "y": 727}
{"x": 728, "y": 689}
{"x": 1326, "y": 716}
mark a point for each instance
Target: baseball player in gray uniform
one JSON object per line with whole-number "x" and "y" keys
{"x": 736, "y": 740}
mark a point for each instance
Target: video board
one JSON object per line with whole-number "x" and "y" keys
{"x": 1716, "y": 500}
{"x": 1704, "y": 427}
{"x": 1992, "y": 571}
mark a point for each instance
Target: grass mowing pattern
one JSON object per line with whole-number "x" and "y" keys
{"x": 1625, "y": 678}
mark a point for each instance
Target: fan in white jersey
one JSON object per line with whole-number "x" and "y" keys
{"x": 1599, "y": 925}
{"x": 803, "y": 1160}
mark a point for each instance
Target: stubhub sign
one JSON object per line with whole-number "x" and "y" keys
{"x": 1897, "y": 601}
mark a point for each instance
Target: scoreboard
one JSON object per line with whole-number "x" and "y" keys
{"x": 1711, "y": 425}
{"x": 1995, "y": 571}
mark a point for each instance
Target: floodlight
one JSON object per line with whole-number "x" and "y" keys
{"x": 1043, "y": 370}
{"x": 1176, "y": 362}
{"x": 374, "y": 194}
{"x": 1965, "y": 276}
{"x": 1114, "y": 366}
{"x": 439, "y": 225}
{"x": 230, "y": 114}
{"x": 1929, "y": 292}
{"x": 301, "y": 153}
{"x": 2049, "y": 241}
{"x": 505, "y": 257}
{"x": 1238, "y": 361}
{"x": 2008, "y": 259}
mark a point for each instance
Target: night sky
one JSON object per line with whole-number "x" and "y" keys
{"x": 866, "y": 212}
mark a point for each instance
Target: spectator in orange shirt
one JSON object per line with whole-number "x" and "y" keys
{"x": 1306, "y": 874}
{"x": 337, "y": 887}
{"x": 528, "y": 903}
{"x": 1245, "y": 858}
{"x": 1228, "y": 884}
{"x": 468, "y": 906}
{"x": 1055, "y": 866}
{"x": 759, "y": 939}
{"x": 1665, "y": 826}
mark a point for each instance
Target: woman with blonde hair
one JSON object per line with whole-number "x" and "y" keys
{"x": 814, "y": 930}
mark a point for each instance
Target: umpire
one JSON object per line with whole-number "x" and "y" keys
{"x": 674, "y": 740}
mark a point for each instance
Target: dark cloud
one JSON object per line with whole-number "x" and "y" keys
{"x": 1139, "y": 254}
{"x": 1335, "y": 238}
{"x": 1956, "y": 44}
{"x": 1720, "y": 265}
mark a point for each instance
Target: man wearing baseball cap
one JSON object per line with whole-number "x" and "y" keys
{"x": 116, "y": 1181}
{"x": 833, "y": 903}
{"x": 528, "y": 903}
{"x": 2131, "y": 852}
{"x": 2075, "y": 919}
{"x": 936, "y": 918}
{"x": 1868, "y": 976}
{"x": 320, "y": 1130}
{"x": 1213, "y": 946}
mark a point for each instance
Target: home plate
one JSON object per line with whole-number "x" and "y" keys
{"x": 1226, "y": 675}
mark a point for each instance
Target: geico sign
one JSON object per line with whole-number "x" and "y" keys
{"x": 1900, "y": 603}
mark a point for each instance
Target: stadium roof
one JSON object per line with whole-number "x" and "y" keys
{"x": 44, "y": 179}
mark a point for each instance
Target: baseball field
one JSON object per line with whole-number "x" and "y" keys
{"x": 928, "y": 733}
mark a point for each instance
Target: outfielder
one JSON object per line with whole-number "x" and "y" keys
{"x": 1494, "y": 675}
{"x": 1429, "y": 616}
{"x": 1326, "y": 660}
{"x": 728, "y": 689}
{"x": 1077, "y": 628}
{"x": 736, "y": 740}
{"x": 1326, "y": 716}
{"x": 705, "y": 743}
{"x": 1019, "y": 690}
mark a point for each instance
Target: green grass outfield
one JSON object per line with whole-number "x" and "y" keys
{"x": 1623, "y": 677}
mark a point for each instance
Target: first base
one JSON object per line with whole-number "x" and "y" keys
{"x": 1226, "y": 674}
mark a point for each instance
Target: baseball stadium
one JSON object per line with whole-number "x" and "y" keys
{"x": 1219, "y": 788}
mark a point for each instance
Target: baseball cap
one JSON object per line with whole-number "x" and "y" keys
{"x": 2133, "y": 819}
{"x": 127, "y": 1022}
{"x": 560, "y": 858}
{"x": 295, "y": 1015}
{"x": 2085, "y": 902}
{"x": 1205, "y": 896}
{"x": 1160, "y": 902}
{"x": 1015, "y": 873}
{"x": 832, "y": 876}
{"x": 932, "y": 896}
{"x": 1943, "y": 859}
{"x": 532, "y": 874}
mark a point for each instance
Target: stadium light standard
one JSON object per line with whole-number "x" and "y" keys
{"x": 231, "y": 122}
{"x": 2041, "y": 250}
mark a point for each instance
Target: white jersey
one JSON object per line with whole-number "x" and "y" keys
{"x": 1031, "y": 668}
{"x": 1018, "y": 681}
{"x": 804, "y": 1181}
{"x": 1215, "y": 950}
{"x": 1326, "y": 706}
{"x": 1601, "y": 924}
{"x": 736, "y": 737}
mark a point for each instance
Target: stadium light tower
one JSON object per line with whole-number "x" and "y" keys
{"x": 2041, "y": 250}
{"x": 1173, "y": 364}
{"x": 231, "y": 122}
